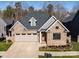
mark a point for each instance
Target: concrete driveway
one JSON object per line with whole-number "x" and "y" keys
{"x": 22, "y": 50}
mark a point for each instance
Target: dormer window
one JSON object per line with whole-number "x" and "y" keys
{"x": 32, "y": 21}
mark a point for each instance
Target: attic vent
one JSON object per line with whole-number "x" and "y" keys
{"x": 32, "y": 21}
{"x": 57, "y": 27}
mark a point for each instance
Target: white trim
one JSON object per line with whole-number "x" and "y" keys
{"x": 32, "y": 23}
{"x": 32, "y": 18}
{"x": 54, "y": 17}
{"x": 40, "y": 38}
{"x": 63, "y": 26}
{"x": 17, "y": 23}
{"x": 47, "y": 21}
{"x": 59, "y": 23}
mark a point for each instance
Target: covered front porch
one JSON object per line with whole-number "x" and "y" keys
{"x": 43, "y": 37}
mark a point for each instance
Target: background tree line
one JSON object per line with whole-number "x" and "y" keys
{"x": 55, "y": 9}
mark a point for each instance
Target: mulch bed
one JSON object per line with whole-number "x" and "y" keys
{"x": 55, "y": 48}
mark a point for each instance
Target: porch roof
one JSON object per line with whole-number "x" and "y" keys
{"x": 42, "y": 30}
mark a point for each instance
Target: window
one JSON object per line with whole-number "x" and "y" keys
{"x": 56, "y": 36}
{"x": 23, "y": 33}
{"x": 17, "y": 33}
{"x": 34, "y": 33}
{"x": 32, "y": 21}
{"x": 28, "y": 33}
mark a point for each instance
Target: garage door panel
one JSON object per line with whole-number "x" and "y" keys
{"x": 26, "y": 38}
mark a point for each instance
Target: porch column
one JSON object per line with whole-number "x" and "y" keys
{"x": 70, "y": 38}
{"x": 77, "y": 38}
{"x": 40, "y": 38}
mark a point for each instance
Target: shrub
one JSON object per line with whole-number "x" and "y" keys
{"x": 55, "y": 48}
{"x": 2, "y": 39}
{"x": 9, "y": 41}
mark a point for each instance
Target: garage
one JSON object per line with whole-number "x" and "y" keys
{"x": 26, "y": 37}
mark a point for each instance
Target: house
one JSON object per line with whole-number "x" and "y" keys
{"x": 9, "y": 24}
{"x": 2, "y": 28}
{"x": 54, "y": 32}
{"x": 39, "y": 27}
{"x": 72, "y": 23}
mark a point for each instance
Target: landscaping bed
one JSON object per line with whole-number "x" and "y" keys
{"x": 54, "y": 48}
{"x": 74, "y": 47}
{"x": 4, "y": 46}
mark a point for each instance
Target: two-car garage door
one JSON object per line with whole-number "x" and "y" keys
{"x": 26, "y": 37}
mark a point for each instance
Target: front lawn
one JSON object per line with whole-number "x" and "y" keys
{"x": 59, "y": 57}
{"x": 75, "y": 46}
{"x": 4, "y": 46}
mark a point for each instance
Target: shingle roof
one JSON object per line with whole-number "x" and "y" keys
{"x": 41, "y": 18}
{"x": 2, "y": 22}
{"x": 73, "y": 25}
{"x": 2, "y": 25}
{"x": 48, "y": 23}
{"x": 9, "y": 21}
{"x": 69, "y": 18}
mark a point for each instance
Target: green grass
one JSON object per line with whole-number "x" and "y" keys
{"x": 75, "y": 46}
{"x": 59, "y": 57}
{"x": 4, "y": 46}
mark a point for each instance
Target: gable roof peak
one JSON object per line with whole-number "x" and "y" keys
{"x": 60, "y": 24}
{"x": 50, "y": 21}
{"x": 53, "y": 17}
{"x": 32, "y": 18}
{"x": 63, "y": 26}
{"x": 15, "y": 25}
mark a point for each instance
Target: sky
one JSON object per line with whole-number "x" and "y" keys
{"x": 37, "y": 4}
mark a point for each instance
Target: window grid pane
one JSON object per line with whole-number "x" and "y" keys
{"x": 56, "y": 36}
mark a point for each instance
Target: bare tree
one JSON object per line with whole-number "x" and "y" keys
{"x": 31, "y": 9}
{"x": 55, "y": 8}
{"x": 18, "y": 10}
{"x": 50, "y": 9}
{"x": 8, "y": 12}
{"x": 60, "y": 12}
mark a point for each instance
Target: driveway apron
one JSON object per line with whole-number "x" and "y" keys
{"x": 22, "y": 50}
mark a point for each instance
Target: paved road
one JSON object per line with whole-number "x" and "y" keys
{"x": 2, "y": 53}
{"x": 22, "y": 50}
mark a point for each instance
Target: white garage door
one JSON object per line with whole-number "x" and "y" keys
{"x": 26, "y": 37}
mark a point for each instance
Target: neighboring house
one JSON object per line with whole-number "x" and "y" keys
{"x": 10, "y": 23}
{"x": 39, "y": 27}
{"x": 2, "y": 28}
{"x": 72, "y": 23}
